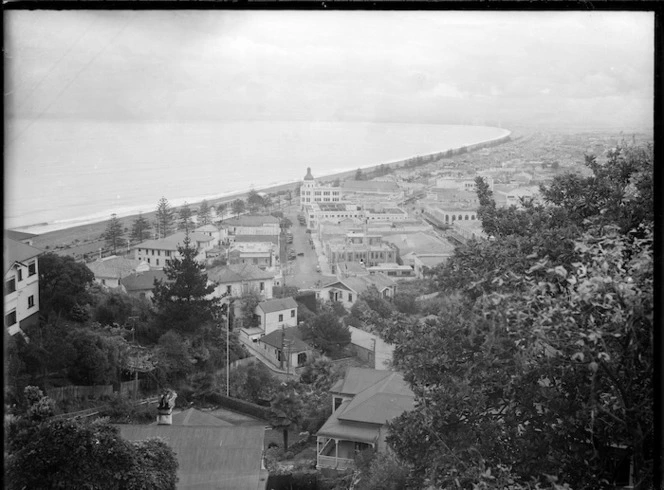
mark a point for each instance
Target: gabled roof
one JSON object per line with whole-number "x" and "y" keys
{"x": 142, "y": 281}
{"x": 19, "y": 236}
{"x": 113, "y": 266}
{"x": 290, "y": 335}
{"x": 360, "y": 284}
{"x": 419, "y": 242}
{"x": 18, "y": 252}
{"x": 172, "y": 242}
{"x": 358, "y": 379}
{"x": 277, "y": 304}
{"x": 207, "y": 228}
{"x": 251, "y": 220}
{"x": 223, "y": 458}
{"x": 226, "y": 274}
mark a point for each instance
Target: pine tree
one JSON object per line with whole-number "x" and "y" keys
{"x": 185, "y": 222}
{"x": 238, "y": 207}
{"x": 165, "y": 218}
{"x": 204, "y": 214}
{"x": 113, "y": 233}
{"x": 181, "y": 300}
{"x": 140, "y": 229}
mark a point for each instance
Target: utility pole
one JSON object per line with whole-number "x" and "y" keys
{"x": 228, "y": 359}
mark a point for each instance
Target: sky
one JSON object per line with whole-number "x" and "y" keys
{"x": 577, "y": 69}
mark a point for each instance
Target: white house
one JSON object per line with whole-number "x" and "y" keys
{"x": 276, "y": 313}
{"x": 347, "y": 290}
{"x": 21, "y": 285}
{"x": 239, "y": 279}
{"x": 158, "y": 253}
{"x": 252, "y": 225}
{"x": 284, "y": 349}
{"x": 212, "y": 231}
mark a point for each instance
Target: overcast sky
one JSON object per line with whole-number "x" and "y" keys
{"x": 566, "y": 68}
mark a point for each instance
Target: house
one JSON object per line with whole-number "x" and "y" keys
{"x": 285, "y": 349}
{"x": 364, "y": 248}
{"x": 158, "y": 253}
{"x": 21, "y": 286}
{"x": 252, "y": 224}
{"x": 333, "y": 212}
{"x": 346, "y": 290}
{"x": 419, "y": 243}
{"x": 239, "y": 279}
{"x": 386, "y": 214}
{"x": 364, "y": 401}
{"x": 211, "y": 454}
{"x": 212, "y": 231}
{"x": 109, "y": 270}
{"x": 312, "y": 192}
{"x": 276, "y": 313}
{"x": 260, "y": 254}
{"x": 140, "y": 284}
{"x": 423, "y": 263}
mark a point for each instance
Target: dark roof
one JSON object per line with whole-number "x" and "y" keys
{"x": 237, "y": 273}
{"x": 358, "y": 379}
{"x": 277, "y": 304}
{"x": 251, "y": 220}
{"x": 18, "y": 235}
{"x": 291, "y": 335}
{"x": 223, "y": 458}
{"x": 360, "y": 284}
{"x": 18, "y": 252}
{"x": 113, "y": 266}
{"x": 141, "y": 281}
{"x": 172, "y": 242}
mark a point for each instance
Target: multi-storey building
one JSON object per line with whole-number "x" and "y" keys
{"x": 311, "y": 192}
{"x": 21, "y": 286}
{"x": 158, "y": 253}
{"x": 317, "y": 213}
{"x": 362, "y": 248}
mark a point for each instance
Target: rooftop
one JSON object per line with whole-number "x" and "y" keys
{"x": 359, "y": 284}
{"x": 277, "y": 304}
{"x": 172, "y": 242}
{"x": 237, "y": 273}
{"x": 370, "y": 186}
{"x": 18, "y": 252}
{"x": 113, "y": 266}
{"x": 251, "y": 220}
{"x": 419, "y": 242}
{"x": 290, "y": 335}
{"x": 141, "y": 281}
{"x": 257, "y": 238}
{"x": 19, "y": 236}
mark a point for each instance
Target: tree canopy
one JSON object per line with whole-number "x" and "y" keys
{"x": 165, "y": 218}
{"x": 204, "y": 213}
{"x": 63, "y": 283}
{"x": 113, "y": 235}
{"x": 140, "y": 229}
{"x": 238, "y": 207}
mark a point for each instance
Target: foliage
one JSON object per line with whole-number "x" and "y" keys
{"x": 254, "y": 383}
{"x": 113, "y": 307}
{"x": 221, "y": 209}
{"x": 140, "y": 229}
{"x": 288, "y": 407}
{"x": 113, "y": 233}
{"x": 121, "y": 410}
{"x": 405, "y": 303}
{"x": 254, "y": 201}
{"x": 249, "y": 301}
{"x": 327, "y": 333}
{"x": 97, "y": 358}
{"x": 184, "y": 217}
{"x": 204, "y": 212}
{"x": 238, "y": 206}
{"x": 73, "y": 454}
{"x": 380, "y": 471}
{"x": 182, "y": 300}
{"x": 62, "y": 284}
{"x": 359, "y": 175}
{"x": 376, "y": 302}
{"x": 320, "y": 373}
{"x": 165, "y": 218}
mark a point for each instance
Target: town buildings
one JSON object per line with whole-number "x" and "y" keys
{"x": 158, "y": 253}
{"x": 347, "y": 290}
{"x": 277, "y": 313}
{"x": 363, "y": 248}
{"x": 109, "y": 270}
{"x": 285, "y": 349}
{"x": 21, "y": 286}
{"x": 239, "y": 279}
{"x": 140, "y": 284}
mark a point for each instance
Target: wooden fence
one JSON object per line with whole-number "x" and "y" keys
{"x": 130, "y": 387}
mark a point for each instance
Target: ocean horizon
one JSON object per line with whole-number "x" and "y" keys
{"x": 81, "y": 172}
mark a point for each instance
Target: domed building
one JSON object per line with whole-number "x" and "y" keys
{"x": 311, "y": 192}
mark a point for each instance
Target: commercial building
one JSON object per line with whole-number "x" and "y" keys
{"x": 158, "y": 253}
{"x": 311, "y": 192}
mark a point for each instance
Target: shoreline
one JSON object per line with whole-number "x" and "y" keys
{"x": 89, "y": 232}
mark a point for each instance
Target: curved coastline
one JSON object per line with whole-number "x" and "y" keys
{"x": 129, "y": 214}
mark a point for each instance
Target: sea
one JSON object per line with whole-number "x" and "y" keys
{"x": 64, "y": 173}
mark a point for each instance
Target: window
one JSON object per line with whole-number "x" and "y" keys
{"x": 168, "y": 253}
{"x": 10, "y": 286}
{"x": 152, "y": 251}
{"x": 10, "y": 318}
{"x": 19, "y": 273}
{"x": 262, "y": 286}
{"x": 103, "y": 281}
{"x": 157, "y": 261}
{"x": 281, "y": 317}
{"x": 337, "y": 402}
{"x": 148, "y": 260}
{"x": 255, "y": 260}
{"x": 350, "y": 296}
{"x": 228, "y": 290}
{"x": 292, "y": 313}
{"x": 32, "y": 268}
{"x": 31, "y": 301}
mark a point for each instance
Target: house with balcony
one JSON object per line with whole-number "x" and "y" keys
{"x": 237, "y": 280}
{"x": 363, "y": 403}
{"x": 158, "y": 253}
{"x": 21, "y": 285}
{"x": 347, "y": 290}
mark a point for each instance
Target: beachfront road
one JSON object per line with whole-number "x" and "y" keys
{"x": 301, "y": 272}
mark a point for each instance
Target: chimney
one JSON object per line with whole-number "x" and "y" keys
{"x": 165, "y": 408}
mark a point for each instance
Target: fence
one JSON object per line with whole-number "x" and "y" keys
{"x": 242, "y": 362}
{"x": 79, "y": 392}
{"x": 130, "y": 387}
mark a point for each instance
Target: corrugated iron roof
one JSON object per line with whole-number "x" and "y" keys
{"x": 277, "y": 304}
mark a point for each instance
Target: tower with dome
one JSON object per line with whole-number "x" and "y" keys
{"x": 311, "y": 192}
